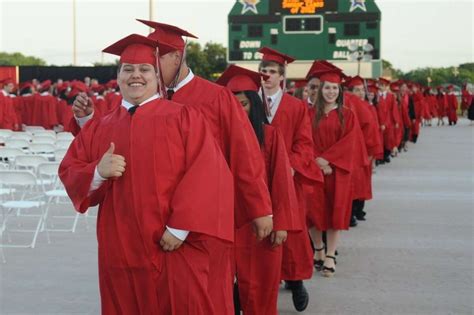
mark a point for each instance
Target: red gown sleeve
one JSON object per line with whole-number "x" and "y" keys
{"x": 301, "y": 153}
{"x": 76, "y": 171}
{"x": 281, "y": 184}
{"x": 203, "y": 199}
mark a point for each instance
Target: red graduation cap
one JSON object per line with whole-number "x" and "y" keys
{"x": 354, "y": 81}
{"x": 7, "y": 81}
{"x": 275, "y": 56}
{"x": 332, "y": 75}
{"x": 137, "y": 49}
{"x": 239, "y": 79}
{"x": 45, "y": 85}
{"x": 394, "y": 86}
{"x": 167, "y": 34}
{"x": 318, "y": 67}
{"x": 77, "y": 87}
{"x": 300, "y": 83}
{"x": 450, "y": 87}
{"x": 372, "y": 89}
{"x": 383, "y": 81}
{"x": 112, "y": 84}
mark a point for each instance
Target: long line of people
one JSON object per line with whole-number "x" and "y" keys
{"x": 301, "y": 171}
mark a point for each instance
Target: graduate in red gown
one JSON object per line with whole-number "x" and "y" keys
{"x": 290, "y": 116}
{"x": 452, "y": 106}
{"x": 418, "y": 100}
{"x": 155, "y": 170}
{"x": 258, "y": 264}
{"x": 234, "y": 135}
{"x": 441, "y": 99}
{"x": 371, "y": 99}
{"x": 387, "y": 110}
{"x": 8, "y": 118}
{"x": 362, "y": 176}
{"x": 405, "y": 116}
{"x": 334, "y": 135}
{"x": 44, "y": 110}
{"x": 466, "y": 99}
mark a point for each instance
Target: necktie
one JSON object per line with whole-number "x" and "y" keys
{"x": 170, "y": 93}
{"x": 269, "y": 102}
{"x": 132, "y": 110}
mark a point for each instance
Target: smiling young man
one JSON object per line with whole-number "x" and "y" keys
{"x": 290, "y": 115}
{"x": 234, "y": 134}
{"x": 143, "y": 164}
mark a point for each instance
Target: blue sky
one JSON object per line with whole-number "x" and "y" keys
{"x": 415, "y": 33}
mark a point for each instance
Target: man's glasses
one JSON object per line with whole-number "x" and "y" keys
{"x": 313, "y": 86}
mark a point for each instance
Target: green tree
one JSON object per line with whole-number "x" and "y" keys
{"x": 18, "y": 59}
{"x": 208, "y": 62}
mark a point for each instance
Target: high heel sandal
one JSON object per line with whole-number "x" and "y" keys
{"x": 329, "y": 271}
{"x": 318, "y": 264}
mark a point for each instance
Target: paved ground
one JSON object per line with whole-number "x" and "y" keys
{"x": 414, "y": 255}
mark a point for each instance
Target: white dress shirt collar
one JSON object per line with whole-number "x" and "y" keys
{"x": 129, "y": 105}
{"x": 185, "y": 81}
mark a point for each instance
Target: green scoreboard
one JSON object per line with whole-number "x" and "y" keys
{"x": 333, "y": 30}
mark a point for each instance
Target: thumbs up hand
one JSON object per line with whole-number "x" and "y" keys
{"x": 111, "y": 165}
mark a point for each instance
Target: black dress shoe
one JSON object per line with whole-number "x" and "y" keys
{"x": 360, "y": 216}
{"x": 300, "y": 295}
{"x": 353, "y": 222}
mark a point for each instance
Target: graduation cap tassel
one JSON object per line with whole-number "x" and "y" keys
{"x": 183, "y": 57}
{"x": 161, "y": 84}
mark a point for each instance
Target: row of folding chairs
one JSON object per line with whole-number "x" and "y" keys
{"x": 30, "y": 135}
{"x": 8, "y": 155}
{"x": 26, "y": 200}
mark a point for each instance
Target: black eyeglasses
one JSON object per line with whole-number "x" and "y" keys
{"x": 313, "y": 86}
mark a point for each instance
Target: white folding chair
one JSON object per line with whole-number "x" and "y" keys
{"x": 63, "y": 144}
{"x": 59, "y": 154}
{"x": 44, "y": 149}
{"x": 43, "y": 139}
{"x": 21, "y": 135}
{"x": 64, "y": 136}
{"x": 55, "y": 195}
{"x": 8, "y": 155}
{"x": 29, "y": 162}
{"x": 5, "y": 133}
{"x": 32, "y": 129}
{"x": 24, "y": 182}
{"x": 17, "y": 144}
{"x": 44, "y": 133}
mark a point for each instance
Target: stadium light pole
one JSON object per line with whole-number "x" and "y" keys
{"x": 150, "y": 5}
{"x": 74, "y": 55}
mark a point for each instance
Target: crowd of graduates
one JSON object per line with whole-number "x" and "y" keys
{"x": 212, "y": 194}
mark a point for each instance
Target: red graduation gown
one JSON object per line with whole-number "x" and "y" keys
{"x": 8, "y": 118}
{"x": 452, "y": 107}
{"x": 378, "y": 135}
{"x": 336, "y": 145}
{"x": 442, "y": 100}
{"x": 362, "y": 173}
{"x": 44, "y": 111}
{"x": 233, "y": 132}
{"x": 258, "y": 264}
{"x": 175, "y": 176}
{"x": 387, "y": 112}
{"x": 292, "y": 120}
{"x": 418, "y": 103}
